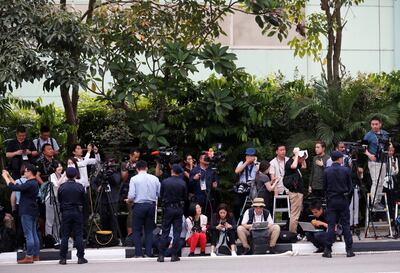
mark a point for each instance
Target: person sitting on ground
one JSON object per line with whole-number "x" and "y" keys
{"x": 223, "y": 224}
{"x": 196, "y": 230}
{"x": 258, "y": 214}
{"x": 320, "y": 222}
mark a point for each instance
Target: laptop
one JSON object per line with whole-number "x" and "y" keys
{"x": 307, "y": 226}
{"x": 260, "y": 225}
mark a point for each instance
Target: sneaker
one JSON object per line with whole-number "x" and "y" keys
{"x": 233, "y": 254}
{"x": 212, "y": 254}
{"x": 82, "y": 261}
{"x": 379, "y": 207}
{"x": 63, "y": 261}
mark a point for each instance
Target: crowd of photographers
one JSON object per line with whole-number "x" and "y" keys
{"x": 193, "y": 212}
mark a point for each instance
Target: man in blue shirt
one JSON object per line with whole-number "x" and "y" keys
{"x": 376, "y": 139}
{"x": 144, "y": 189}
{"x": 28, "y": 211}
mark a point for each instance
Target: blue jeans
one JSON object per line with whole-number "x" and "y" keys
{"x": 29, "y": 225}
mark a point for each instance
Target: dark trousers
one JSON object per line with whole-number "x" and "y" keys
{"x": 143, "y": 215}
{"x": 108, "y": 220}
{"x": 318, "y": 239}
{"x": 391, "y": 201}
{"x": 230, "y": 233}
{"x": 172, "y": 216}
{"x": 72, "y": 222}
{"x": 338, "y": 208}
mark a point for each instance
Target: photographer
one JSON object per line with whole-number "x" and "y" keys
{"x": 18, "y": 151}
{"x": 247, "y": 172}
{"x": 128, "y": 170}
{"x": 317, "y": 170}
{"x": 164, "y": 161}
{"x": 203, "y": 180}
{"x": 45, "y": 138}
{"x": 390, "y": 179}
{"x": 223, "y": 223}
{"x": 28, "y": 211}
{"x": 293, "y": 181}
{"x": 196, "y": 230}
{"x": 107, "y": 183}
{"x": 378, "y": 140}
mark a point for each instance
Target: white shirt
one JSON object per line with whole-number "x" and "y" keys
{"x": 277, "y": 168}
{"x": 394, "y": 164}
{"x": 42, "y": 142}
{"x": 257, "y": 218}
{"x": 82, "y": 165}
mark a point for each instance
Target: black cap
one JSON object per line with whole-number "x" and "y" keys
{"x": 177, "y": 169}
{"x": 71, "y": 172}
{"x": 335, "y": 155}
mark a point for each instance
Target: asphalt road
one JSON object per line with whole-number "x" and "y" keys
{"x": 379, "y": 262}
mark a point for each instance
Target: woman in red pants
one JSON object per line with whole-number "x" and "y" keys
{"x": 197, "y": 227}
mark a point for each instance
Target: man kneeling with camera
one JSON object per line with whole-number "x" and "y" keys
{"x": 258, "y": 214}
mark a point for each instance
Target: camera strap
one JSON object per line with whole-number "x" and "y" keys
{"x": 247, "y": 171}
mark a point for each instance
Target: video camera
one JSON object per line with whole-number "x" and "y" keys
{"x": 215, "y": 157}
{"x": 106, "y": 170}
{"x": 164, "y": 154}
{"x": 355, "y": 148}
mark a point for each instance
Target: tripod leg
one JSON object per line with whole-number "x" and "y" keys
{"x": 114, "y": 217}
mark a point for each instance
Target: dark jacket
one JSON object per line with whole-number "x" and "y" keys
{"x": 208, "y": 175}
{"x": 29, "y": 194}
{"x": 337, "y": 181}
{"x": 215, "y": 221}
{"x": 173, "y": 190}
{"x": 71, "y": 195}
{"x": 317, "y": 173}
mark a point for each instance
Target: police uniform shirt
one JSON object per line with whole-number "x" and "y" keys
{"x": 173, "y": 190}
{"x": 71, "y": 195}
{"x": 337, "y": 181}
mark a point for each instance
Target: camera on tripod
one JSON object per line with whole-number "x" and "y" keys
{"x": 215, "y": 157}
{"x": 107, "y": 169}
{"x": 355, "y": 148}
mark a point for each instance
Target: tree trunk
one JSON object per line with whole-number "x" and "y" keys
{"x": 91, "y": 6}
{"x": 331, "y": 42}
{"x": 338, "y": 46}
{"x": 70, "y": 116}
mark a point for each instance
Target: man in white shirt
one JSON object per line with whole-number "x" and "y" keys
{"x": 258, "y": 214}
{"x": 277, "y": 168}
{"x": 45, "y": 138}
{"x": 83, "y": 162}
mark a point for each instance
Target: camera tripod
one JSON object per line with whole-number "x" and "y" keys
{"x": 105, "y": 189}
{"x": 55, "y": 229}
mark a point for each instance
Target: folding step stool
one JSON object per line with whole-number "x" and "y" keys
{"x": 281, "y": 209}
{"x": 369, "y": 224}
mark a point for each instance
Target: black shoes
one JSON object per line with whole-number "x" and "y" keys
{"x": 175, "y": 258}
{"x": 350, "y": 254}
{"x": 82, "y": 261}
{"x": 202, "y": 253}
{"x": 191, "y": 254}
{"x": 319, "y": 250}
{"x": 246, "y": 251}
{"x": 160, "y": 259}
{"x": 327, "y": 253}
{"x": 63, "y": 261}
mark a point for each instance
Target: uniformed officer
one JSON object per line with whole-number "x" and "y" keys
{"x": 338, "y": 187}
{"x": 173, "y": 195}
{"x": 71, "y": 196}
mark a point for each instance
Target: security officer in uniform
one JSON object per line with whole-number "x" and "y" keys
{"x": 338, "y": 187}
{"x": 71, "y": 196}
{"x": 173, "y": 195}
